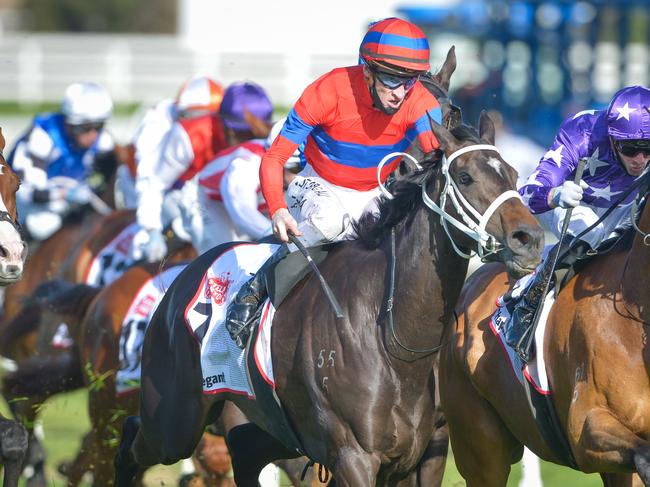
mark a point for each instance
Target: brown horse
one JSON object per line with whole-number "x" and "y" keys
{"x": 13, "y": 249}
{"x": 95, "y": 316}
{"x": 359, "y": 401}
{"x": 597, "y": 362}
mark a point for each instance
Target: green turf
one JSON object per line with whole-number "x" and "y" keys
{"x": 65, "y": 419}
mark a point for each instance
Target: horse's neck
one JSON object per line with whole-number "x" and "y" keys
{"x": 428, "y": 280}
{"x": 636, "y": 277}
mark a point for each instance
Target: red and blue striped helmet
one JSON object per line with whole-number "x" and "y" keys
{"x": 628, "y": 115}
{"x": 397, "y": 46}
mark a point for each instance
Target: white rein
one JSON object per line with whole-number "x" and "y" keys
{"x": 473, "y": 224}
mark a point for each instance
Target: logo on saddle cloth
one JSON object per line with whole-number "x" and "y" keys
{"x": 217, "y": 288}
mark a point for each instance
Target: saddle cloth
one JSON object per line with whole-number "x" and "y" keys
{"x": 223, "y": 363}
{"x": 535, "y": 370}
{"x": 115, "y": 258}
{"x": 135, "y": 323}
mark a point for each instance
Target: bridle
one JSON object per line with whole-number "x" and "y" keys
{"x": 5, "y": 216}
{"x": 473, "y": 223}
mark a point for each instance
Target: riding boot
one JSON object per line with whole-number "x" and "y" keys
{"x": 571, "y": 250}
{"x": 243, "y": 308}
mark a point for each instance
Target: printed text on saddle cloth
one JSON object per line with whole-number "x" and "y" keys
{"x": 134, "y": 326}
{"x": 222, "y": 362}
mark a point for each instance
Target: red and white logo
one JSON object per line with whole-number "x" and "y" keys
{"x": 218, "y": 288}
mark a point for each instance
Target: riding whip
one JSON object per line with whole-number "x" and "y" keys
{"x": 328, "y": 291}
{"x": 527, "y": 339}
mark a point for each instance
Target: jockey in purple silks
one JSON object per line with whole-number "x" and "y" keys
{"x": 616, "y": 144}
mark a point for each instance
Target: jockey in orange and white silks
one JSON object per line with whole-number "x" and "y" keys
{"x": 198, "y": 96}
{"x": 166, "y": 160}
{"x": 56, "y": 158}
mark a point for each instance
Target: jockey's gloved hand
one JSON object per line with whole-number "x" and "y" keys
{"x": 568, "y": 195}
{"x": 79, "y": 194}
{"x": 148, "y": 244}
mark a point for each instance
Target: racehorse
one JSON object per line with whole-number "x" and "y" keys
{"x": 597, "y": 361}
{"x": 359, "y": 402}
{"x": 13, "y": 249}
{"x": 95, "y": 316}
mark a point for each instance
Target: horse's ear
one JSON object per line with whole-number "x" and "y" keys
{"x": 443, "y": 76}
{"x": 2, "y": 140}
{"x": 486, "y": 127}
{"x": 445, "y": 138}
{"x": 259, "y": 127}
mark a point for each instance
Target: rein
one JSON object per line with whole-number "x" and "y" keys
{"x": 472, "y": 225}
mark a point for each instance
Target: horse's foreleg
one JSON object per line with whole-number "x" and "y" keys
{"x": 432, "y": 466}
{"x": 355, "y": 468}
{"x": 13, "y": 449}
{"x": 605, "y": 444}
{"x": 483, "y": 446}
{"x": 126, "y": 465}
{"x": 617, "y": 480}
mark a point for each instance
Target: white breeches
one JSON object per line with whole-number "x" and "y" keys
{"x": 325, "y": 212}
{"x": 583, "y": 217}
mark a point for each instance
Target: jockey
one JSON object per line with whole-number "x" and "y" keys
{"x": 61, "y": 158}
{"x": 350, "y": 119}
{"x": 616, "y": 143}
{"x": 169, "y": 159}
{"x": 230, "y": 203}
{"x": 198, "y": 96}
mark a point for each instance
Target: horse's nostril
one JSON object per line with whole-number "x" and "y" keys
{"x": 522, "y": 237}
{"x": 3, "y": 252}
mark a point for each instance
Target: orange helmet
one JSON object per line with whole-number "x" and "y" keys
{"x": 396, "y": 46}
{"x": 200, "y": 93}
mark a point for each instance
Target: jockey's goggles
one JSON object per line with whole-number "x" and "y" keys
{"x": 630, "y": 148}
{"x": 83, "y": 128}
{"x": 392, "y": 82}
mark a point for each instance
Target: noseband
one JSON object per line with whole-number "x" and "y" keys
{"x": 473, "y": 223}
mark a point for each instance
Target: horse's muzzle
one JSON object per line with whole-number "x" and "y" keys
{"x": 524, "y": 246}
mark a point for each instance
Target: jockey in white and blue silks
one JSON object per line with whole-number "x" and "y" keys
{"x": 56, "y": 157}
{"x": 616, "y": 144}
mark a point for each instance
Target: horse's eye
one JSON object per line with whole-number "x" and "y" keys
{"x": 464, "y": 178}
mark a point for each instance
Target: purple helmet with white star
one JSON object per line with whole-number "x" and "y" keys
{"x": 628, "y": 114}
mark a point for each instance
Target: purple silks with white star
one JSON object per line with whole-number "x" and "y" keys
{"x": 585, "y": 134}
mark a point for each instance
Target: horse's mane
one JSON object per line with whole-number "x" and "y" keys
{"x": 373, "y": 226}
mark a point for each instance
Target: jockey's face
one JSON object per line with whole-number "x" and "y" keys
{"x": 391, "y": 99}
{"x": 634, "y": 159}
{"x": 85, "y": 135}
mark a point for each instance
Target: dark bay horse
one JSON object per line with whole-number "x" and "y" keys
{"x": 359, "y": 404}
{"x": 597, "y": 362}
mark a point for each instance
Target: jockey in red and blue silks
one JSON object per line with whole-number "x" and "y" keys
{"x": 58, "y": 155}
{"x": 350, "y": 119}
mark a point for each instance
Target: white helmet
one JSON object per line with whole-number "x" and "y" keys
{"x": 86, "y": 102}
{"x": 293, "y": 163}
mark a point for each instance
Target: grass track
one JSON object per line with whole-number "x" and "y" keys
{"x": 65, "y": 420}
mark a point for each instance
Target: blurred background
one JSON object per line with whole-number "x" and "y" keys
{"x": 532, "y": 62}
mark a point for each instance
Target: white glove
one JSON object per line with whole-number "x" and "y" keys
{"x": 79, "y": 194}
{"x": 148, "y": 244}
{"x": 568, "y": 195}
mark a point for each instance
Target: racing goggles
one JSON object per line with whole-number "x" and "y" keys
{"x": 630, "y": 148}
{"x": 84, "y": 128}
{"x": 392, "y": 81}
